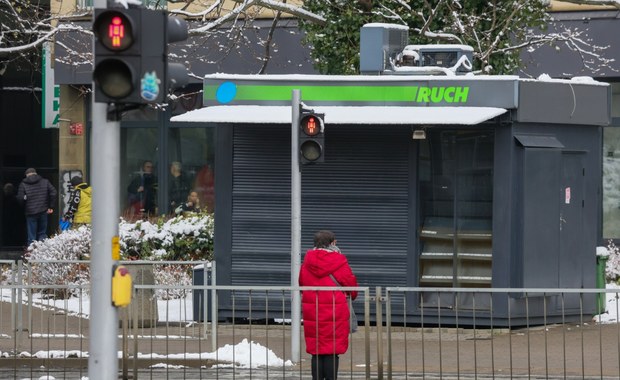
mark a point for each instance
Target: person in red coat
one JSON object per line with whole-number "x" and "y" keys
{"x": 326, "y": 313}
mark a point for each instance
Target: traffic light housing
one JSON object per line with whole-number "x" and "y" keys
{"x": 311, "y": 137}
{"x": 131, "y": 55}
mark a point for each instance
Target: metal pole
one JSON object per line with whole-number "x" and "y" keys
{"x": 214, "y": 303}
{"x": 105, "y": 181}
{"x": 295, "y": 228}
{"x": 379, "y": 319}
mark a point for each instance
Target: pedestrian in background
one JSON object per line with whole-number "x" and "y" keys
{"x": 143, "y": 191}
{"x": 326, "y": 313}
{"x": 80, "y": 203}
{"x": 179, "y": 186}
{"x": 38, "y": 197}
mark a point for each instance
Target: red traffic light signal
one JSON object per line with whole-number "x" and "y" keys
{"x": 311, "y": 137}
{"x": 117, "y": 65}
{"x": 310, "y": 125}
{"x": 114, "y": 30}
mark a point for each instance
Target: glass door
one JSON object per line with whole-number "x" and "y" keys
{"x": 456, "y": 203}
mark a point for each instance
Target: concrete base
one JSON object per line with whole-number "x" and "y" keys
{"x": 143, "y": 307}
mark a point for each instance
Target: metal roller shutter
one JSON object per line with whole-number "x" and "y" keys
{"x": 360, "y": 192}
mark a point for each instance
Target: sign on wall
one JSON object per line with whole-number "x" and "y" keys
{"x": 51, "y": 92}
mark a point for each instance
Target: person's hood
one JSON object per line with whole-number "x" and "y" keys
{"x": 322, "y": 263}
{"x": 84, "y": 187}
{"x": 32, "y": 179}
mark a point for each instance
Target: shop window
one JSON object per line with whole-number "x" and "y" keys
{"x": 611, "y": 182}
{"x": 191, "y": 167}
{"x": 456, "y": 203}
{"x": 139, "y": 182}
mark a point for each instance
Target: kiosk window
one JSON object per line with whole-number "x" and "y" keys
{"x": 456, "y": 202}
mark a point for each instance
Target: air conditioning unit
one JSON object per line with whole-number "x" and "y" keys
{"x": 457, "y": 57}
{"x": 378, "y": 44}
{"x": 384, "y": 50}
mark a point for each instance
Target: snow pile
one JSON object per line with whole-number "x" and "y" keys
{"x": 242, "y": 355}
{"x": 249, "y": 355}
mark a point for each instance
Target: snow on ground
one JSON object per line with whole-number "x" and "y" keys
{"x": 244, "y": 355}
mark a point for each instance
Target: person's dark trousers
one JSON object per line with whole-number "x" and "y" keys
{"x": 36, "y": 226}
{"x": 325, "y": 367}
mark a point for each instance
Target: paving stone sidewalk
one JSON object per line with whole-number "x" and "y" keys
{"x": 588, "y": 351}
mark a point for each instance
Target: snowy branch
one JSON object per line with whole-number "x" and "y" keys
{"x": 45, "y": 37}
{"x": 201, "y": 15}
{"x": 293, "y": 10}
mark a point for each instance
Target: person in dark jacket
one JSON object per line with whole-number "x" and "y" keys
{"x": 38, "y": 197}
{"x": 326, "y": 313}
{"x": 143, "y": 191}
{"x": 80, "y": 203}
{"x": 178, "y": 186}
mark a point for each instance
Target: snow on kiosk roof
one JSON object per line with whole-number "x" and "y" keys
{"x": 345, "y": 115}
{"x": 401, "y": 99}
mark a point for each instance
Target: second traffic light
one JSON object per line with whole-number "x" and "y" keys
{"x": 131, "y": 55}
{"x": 311, "y": 137}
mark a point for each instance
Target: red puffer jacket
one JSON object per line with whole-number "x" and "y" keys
{"x": 326, "y": 313}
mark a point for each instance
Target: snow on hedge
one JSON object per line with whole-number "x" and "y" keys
{"x": 182, "y": 238}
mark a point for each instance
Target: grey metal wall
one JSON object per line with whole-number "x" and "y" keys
{"x": 539, "y": 239}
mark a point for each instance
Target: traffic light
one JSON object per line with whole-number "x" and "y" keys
{"x": 117, "y": 55}
{"x": 176, "y": 73}
{"x": 311, "y": 137}
{"x": 131, "y": 55}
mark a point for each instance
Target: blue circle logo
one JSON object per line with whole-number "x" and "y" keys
{"x": 226, "y": 92}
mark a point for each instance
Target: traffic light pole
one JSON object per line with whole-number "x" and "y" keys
{"x": 105, "y": 181}
{"x": 295, "y": 228}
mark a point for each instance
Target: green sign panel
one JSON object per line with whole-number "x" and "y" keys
{"x": 363, "y": 90}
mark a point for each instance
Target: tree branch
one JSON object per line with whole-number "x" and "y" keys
{"x": 293, "y": 10}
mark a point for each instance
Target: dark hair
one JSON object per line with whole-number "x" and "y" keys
{"x": 323, "y": 238}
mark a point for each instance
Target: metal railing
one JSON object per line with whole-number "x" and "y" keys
{"x": 568, "y": 343}
{"x": 214, "y": 331}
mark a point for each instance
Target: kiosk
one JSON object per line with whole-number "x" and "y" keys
{"x": 461, "y": 181}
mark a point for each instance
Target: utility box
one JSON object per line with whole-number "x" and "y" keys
{"x": 201, "y": 303}
{"x": 378, "y": 43}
